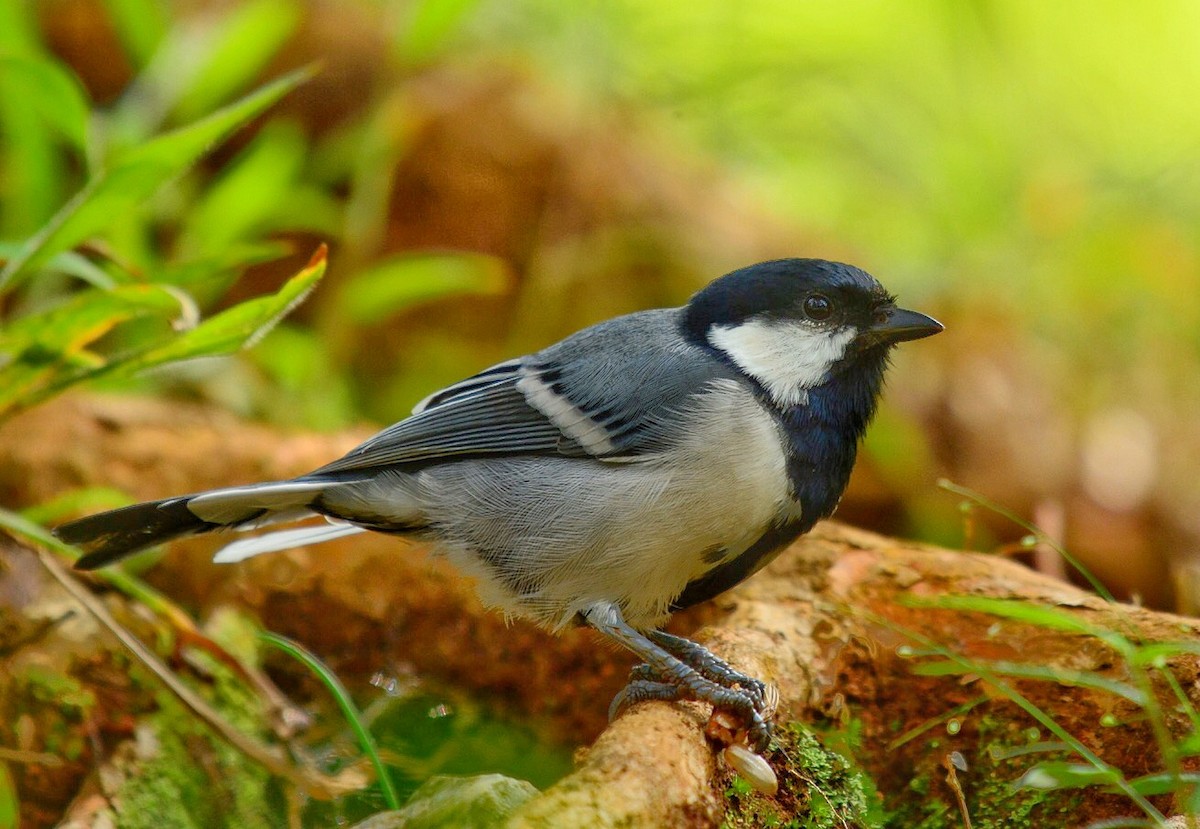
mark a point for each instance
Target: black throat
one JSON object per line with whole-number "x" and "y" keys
{"x": 822, "y": 434}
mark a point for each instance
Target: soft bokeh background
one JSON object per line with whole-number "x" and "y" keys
{"x": 493, "y": 174}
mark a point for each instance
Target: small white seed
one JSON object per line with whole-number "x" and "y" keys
{"x": 752, "y": 767}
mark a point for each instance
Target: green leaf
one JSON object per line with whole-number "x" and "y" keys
{"x": 86, "y": 317}
{"x": 140, "y": 24}
{"x": 1020, "y": 611}
{"x": 369, "y": 154}
{"x": 10, "y": 809}
{"x": 404, "y": 281}
{"x": 34, "y": 175}
{"x": 70, "y": 263}
{"x": 137, "y": 174}
{"x": 1056, "y": 774}
{"x": 253, "y": 189}
{"x": 41, "y": 353}
{"x": 1063, "y": 775}
{"x": 241, "y": 45}
{"x": 76, "y": 502}
{"x": 46, "y": 87}
{"x": 1062, "y": 676}
{"x": 431, "y": 23}
{"x": 235, "y": 328}
{"x": 209, "y": 277}
{"x": 1165, "y": 782}
{"x": 19, "y": 29}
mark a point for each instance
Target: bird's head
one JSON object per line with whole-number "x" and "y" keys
{"x": 793, "y": 324}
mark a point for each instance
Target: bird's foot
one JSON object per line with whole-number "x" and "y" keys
{"x": 643, "y": 685}
{"x": 712, "y": 667}
{"x": 746, "y": 700}
{"x": 677, "y": 669}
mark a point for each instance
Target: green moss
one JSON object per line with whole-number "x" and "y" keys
{"x": 45, "y": 685}
{"x": 818, "y": 789}
{"x": 923, "y": 811}
{"x": 993, "y": 802}
{"x": 184, "y": 775}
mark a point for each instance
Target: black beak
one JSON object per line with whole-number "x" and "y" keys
{"x": 895, "y": 325}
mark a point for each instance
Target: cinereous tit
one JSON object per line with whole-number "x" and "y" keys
{"x": 634, "y": 468}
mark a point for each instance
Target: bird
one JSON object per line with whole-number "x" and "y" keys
{"x": 635, "y": 468}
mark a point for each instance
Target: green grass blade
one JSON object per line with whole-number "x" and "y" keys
{"x": 1041, "y": 673}
{"x": 1164, "y": 783}
{"x": 1019, "y": 611}
{"x": 77, "y": 502}
{"x": 345, "y": 703}
{"x": 1056, "y": 774}
{"x": 34, "y": 172}
{"x": 1009, "y": 692}
{"x": 934, "y": 722}
{"x": 982, "y": 501}
{"x": 256, "y": 188}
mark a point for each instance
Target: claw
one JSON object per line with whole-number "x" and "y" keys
{"x": 713, "y": 668}
{"x": 744, "y": 718}
{"x": 619, "y": 703}
{"x": 641, "y": 688}
{"x": 677, "y": 668}
{"x": 759, "y": 735}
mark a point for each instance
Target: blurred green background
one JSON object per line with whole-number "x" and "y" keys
{"x": 491, "y": 175}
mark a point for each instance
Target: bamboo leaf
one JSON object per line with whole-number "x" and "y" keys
{"x": 245, "y": 41}
{"x": 53, "y": 92}
{"x": 42, "y": 352}
{"x": 137, "y": 174}
{"x": 140, "y": 24}
{"x": 234, "y": 328}
{"x": 403, "y": 281}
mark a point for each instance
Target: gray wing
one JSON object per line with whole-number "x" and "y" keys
{"x": 611, "y": 392}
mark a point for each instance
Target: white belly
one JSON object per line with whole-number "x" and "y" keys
{"x": 547, "y": 537}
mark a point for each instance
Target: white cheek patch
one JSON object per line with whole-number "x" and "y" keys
{"x": 788, "y": 358}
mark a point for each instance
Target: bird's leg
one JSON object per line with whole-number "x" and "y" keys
{"x": 666, "y": 676}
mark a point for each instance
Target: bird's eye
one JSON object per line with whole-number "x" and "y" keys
{"x": 817, "y": 307}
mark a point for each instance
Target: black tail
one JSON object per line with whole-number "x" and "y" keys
{"x": 109, "y": 536}
{"x": 112, "y": 535}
